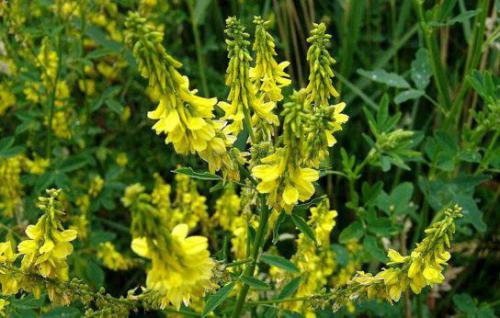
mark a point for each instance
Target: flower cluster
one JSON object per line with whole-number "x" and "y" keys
{"x": 113, "y": 259}
{"x": 44, "y": 253}
{"x": 308, "y": 131}
{"x": 174, "y": 256}
{"x": 422, "y": 268}
{"x": 184, "y": 117}
{"x": 316, "y": 263}
{"x": 48, "y": 246}
{"x": 11, "y": 188}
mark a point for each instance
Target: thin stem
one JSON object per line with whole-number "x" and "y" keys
{"x": 258, "y": 242}
{"x": 472, "y": 60}
{"x": 436, "y": 64}
{"x": 241, "y": 262}
{"x": 199, "y": 55}
{"x": 278, "y": 301}
{"x": 51, "y": 99}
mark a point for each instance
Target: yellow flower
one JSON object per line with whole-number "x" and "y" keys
{"x": 242, "y": 98}
{"x": 121, "y": 159}
{"x": 181, "y": 269}
{"x": 285, "y": 183}
{"x": 184, "y": 117}
{"x": 48, "y": 245}
{"x": 227, "y": 209}
{"x": 269, "y": 75}
{"x": 37, "y": 165}
{"x": 7, "y": 98}
{"x": 96, "y": 186}
{"x": 3, "y": 304}
{"x": 320, "y": 86}
{"x": 11, "y": 187}
{"x": 131, "y": 194}
{"x": 316, "y": 263}
{"x": 9, "y": 282}
{"x": 112, "y": 259}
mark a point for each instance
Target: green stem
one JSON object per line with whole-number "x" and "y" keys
{"x": 237, "y": 263}
{"x": 199, "y": 55}
{"x": 51, "y": 99}
{"x": 432, "y": 46}
{"x": 250, "y": 269}
{"x": 83, "y": 25}
{"x": 278, "y": 301}
{"x": 472, "y": 60}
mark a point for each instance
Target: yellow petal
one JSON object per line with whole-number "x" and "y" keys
{"x": 290, "y": 195}
{"x": 395, "y": 257}
{"x": 140, "y": 247}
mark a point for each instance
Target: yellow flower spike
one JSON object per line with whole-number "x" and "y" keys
{"x": 284, "y": 181}
{"x": 48, "y": 245}
{"x": 270, "y": 77}
{"x": 112, "y": 259}
{"x": 11, "y": 187}
{"x": 227, "y": 208}
{"x": 242, "y": 98}
{"x": 320, "y": 86}
{"x": 315, "y": 262}
{"x": 395, "y": 257}
{"x": 174, "y": 255}
{"x": 184, "y": 117}
{"x": 422, "y": 268}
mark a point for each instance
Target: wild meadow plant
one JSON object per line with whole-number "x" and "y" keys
{"x": 272, "y": 206}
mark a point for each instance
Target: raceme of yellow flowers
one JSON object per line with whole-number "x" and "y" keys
{"x": 423, "y": 267}
{"x": 309, "y": 121}
{"x": 45, "y": 251}
{"x": 181, "y": 267}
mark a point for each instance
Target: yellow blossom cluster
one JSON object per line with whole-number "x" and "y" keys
{"x": 113, "y": 259}
{"x": 184, "y": 117}
{"x": 52, "y": 88}
{"x": 287, "y": 174}
{"x": 424, "y": 267}
{"x": 174, "y": 256}
{"x": 316, "y": 262}
{"x": 7, "y": 98}
{"x": 48, "y": 246}
{"x": 243, "y": 99}
{"x": 11, "y": 188}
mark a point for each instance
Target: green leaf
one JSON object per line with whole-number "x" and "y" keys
{"x": 213, "y": 301}
{"x": 7, "y": 149}
{"x": 305, "y": 206}
{"x": 303, "y": 227}
{"x": 276, "y": 228}
{"x": 200, "y": 11}
{"x": 407, "y": 95}
{"x": 290, "y": 288}
{"x": 6, "y": 142}
{"x": 353, "y": 232}
{"x": 341, "y": 254}
{"x": 421, "y": 69}
{"x": 464, "y": 16}
{"x": 114, "y": 106}
{"x": 95, "y": 54}
{"x": 465, "y": 304}
{"x": 278, "y": 261}
{"x": 205, "y": 175}
{"x": 75, "y": 162}
{"x": 389, "y": 79}
{"x": 254, "y": 282}
{"x": 371, "y": 245}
